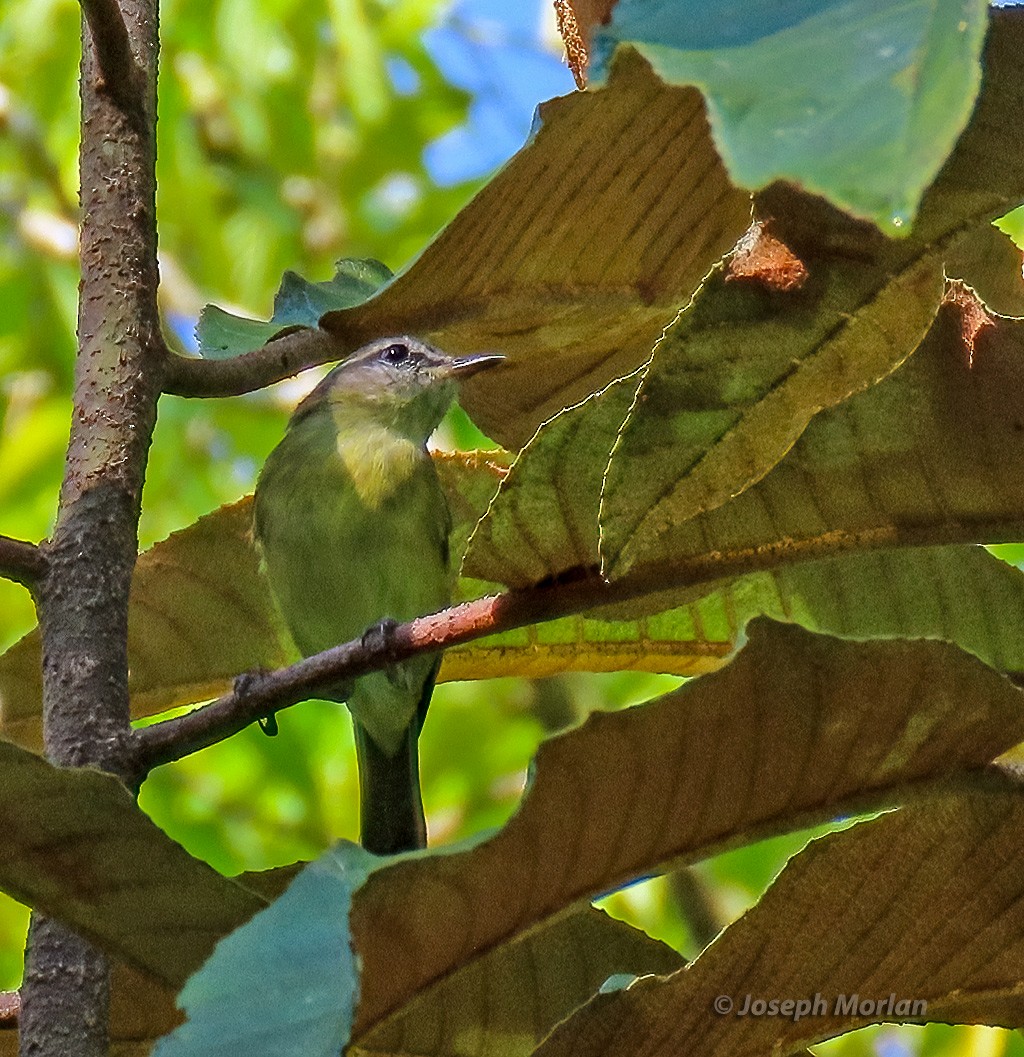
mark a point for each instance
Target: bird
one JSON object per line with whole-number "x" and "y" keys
{"x": 352, "y": 527}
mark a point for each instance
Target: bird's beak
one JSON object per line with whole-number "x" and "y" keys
{"x": 464, "y": 366}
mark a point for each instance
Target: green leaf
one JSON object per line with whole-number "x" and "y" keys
{"x": 222, "y": 335}
{"x": 355, "y": 281}
{"x": 298, "y": 303}
{"x": 860, "y": 101}
{"x": 285, "y": 984}
{"x": 925, "y": 905}
{"x": 945, "y": 593}
{"x": 797, "y": 729}
{"x": 78, "y": 847}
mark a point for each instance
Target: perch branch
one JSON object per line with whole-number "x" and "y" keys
{"x": 279, "y": 358}
{"x": 257, "y": 694}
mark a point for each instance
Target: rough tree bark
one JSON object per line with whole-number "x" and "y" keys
{"x": 82, "y": 598}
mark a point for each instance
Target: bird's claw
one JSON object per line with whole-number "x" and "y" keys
{"x": 246, "y": 684}
{"x": 381, "y": 637}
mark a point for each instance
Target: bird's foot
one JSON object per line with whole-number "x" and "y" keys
{"x": 381, "y": 637}
{"x": 246, "y": 684}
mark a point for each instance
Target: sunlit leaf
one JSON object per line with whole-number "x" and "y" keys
{"x": 859, "y": 101}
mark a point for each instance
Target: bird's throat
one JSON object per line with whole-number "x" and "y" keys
{"x": 377, "y": 461}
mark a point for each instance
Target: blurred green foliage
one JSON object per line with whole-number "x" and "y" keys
{"x": 283, "y": 143}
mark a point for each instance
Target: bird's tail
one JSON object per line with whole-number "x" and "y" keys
{"x": 390, "y": 807}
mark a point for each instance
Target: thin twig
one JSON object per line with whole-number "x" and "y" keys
{"x": 23, "y": 562}
{"x": 280, "y": 358}
{"x": 119, "y": 73}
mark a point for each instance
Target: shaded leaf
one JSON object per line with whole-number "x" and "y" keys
{"x": 566, "y": 261}
{"x": 859, "y": 101}
{"x": 925, "y": 905}
{"x": 933, "y": 454}
{"x": 78, "y": 848}
{"x": 286, "y": 982}
{"x": 141, "y": 1010}
{"x": 505, "y": 1003}
{"x": 797, "y": 728}
{"x": 298, "y": 302}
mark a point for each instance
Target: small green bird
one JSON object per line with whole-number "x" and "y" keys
{"x": 353, "y": 529}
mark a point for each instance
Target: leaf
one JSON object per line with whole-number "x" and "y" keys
{"x": 505, "y": 1003}
{"x": 797, "y": 728}
{"x": 223, "y": 334}
{"x": 925, "y": 905}
{"x": 858, "y": 101}
{"x": 947, "y": 593}
{"x": 286, "y": 982}
{"x": 909, "y": 461}
{"x": 201, "y": 612}
{"x": 77, "y": 847}
{"x": 739, "y": 376}
{"x": 566, "y": 261}
{"x": 298, "y": 303}
{"x": 355, "y": 281}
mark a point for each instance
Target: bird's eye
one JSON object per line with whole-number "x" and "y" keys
{"x": 395, "y": 354}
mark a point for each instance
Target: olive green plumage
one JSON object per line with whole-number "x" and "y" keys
{"x": 353, "y": 528}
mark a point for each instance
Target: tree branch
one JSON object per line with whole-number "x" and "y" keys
{"x": 257, "y": 694}
{"x": 23, "y": 562}
{"x": 280, "y": 358}
{"x": 116, "y": 71}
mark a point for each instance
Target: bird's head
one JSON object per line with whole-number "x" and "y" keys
{"x": 401, "y": 383}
